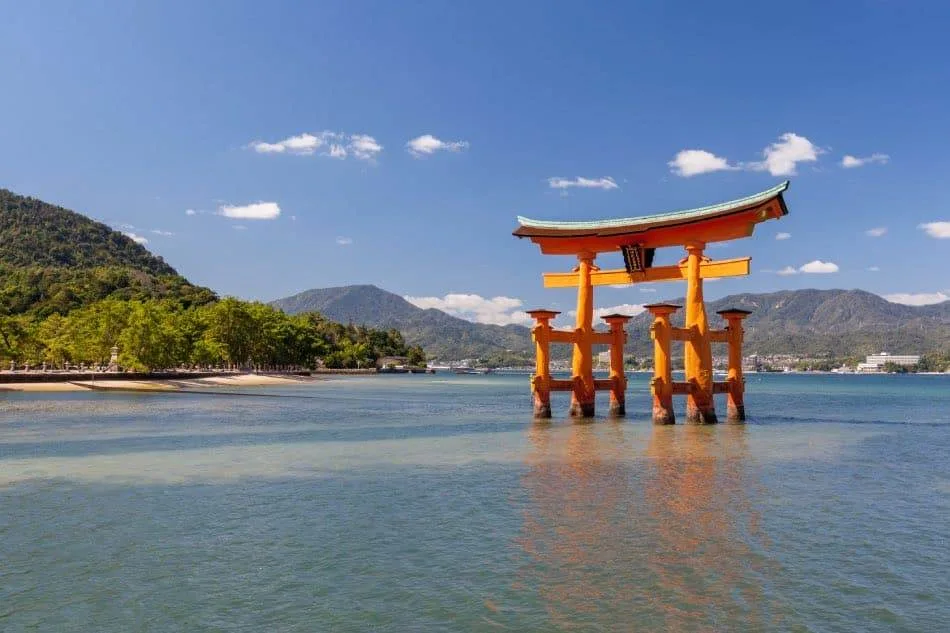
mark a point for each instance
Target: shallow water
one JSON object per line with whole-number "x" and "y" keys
{"x": 434, "y": 503}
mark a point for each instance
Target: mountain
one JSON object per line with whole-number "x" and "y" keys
{"x": 840, "y": 323}
{"x": 54, "y": 260}
{"x": 442, "y": 336}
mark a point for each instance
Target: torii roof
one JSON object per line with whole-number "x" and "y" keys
{"x": 717, "y": 222}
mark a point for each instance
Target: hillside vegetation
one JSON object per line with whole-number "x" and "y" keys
{"x": 53, "y": 260}
{"x": 71, "y": 288}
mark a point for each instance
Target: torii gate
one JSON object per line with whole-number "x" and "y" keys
{"x": 637, "y": 239}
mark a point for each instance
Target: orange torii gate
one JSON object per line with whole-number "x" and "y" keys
{"x": 637, "y": 239}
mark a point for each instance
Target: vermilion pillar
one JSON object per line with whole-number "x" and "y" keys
{"x": 582, "y": 395}
{"x": 541, "y": 381}
{"x": 735, "y": 411}
{"x": 618, "y": 338}
{"x": 698, "y": 352}
{"x": 662, "y": 384}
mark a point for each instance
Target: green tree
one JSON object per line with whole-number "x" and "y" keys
{"x": 416, "y": 357}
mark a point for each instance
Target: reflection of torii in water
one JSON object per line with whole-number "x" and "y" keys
{"x": 681, "y": 555}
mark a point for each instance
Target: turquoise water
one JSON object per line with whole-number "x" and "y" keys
{"x": 434, "y": 503}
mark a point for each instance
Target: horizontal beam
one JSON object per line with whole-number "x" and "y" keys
{"x": 562, "y": 336}
{"x": 681, "y": 388}
{"x": 602, "y": 384}
{"x": 707, "y": 270}
{"x": 719, "y": 336}
{"x": 679, "y": 334}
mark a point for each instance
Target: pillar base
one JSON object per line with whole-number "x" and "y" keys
{"x": 617, "y": 410}
{"x": 663, "y": 416}
{"x": 701, "y": 416}
{"x": 542, "y": 410}
{"x": 735, "y": 414}
{"x": 582, "y": 410}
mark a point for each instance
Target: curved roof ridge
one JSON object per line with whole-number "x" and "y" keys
{"x": 683, "y": 214}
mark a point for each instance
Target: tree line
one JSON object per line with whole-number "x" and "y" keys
{"x": 153, "y": 334}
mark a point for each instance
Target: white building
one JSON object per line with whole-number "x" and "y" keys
{"x": 874, "y": 362}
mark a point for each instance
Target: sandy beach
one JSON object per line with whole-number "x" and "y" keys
{"x": 237, "y": 380}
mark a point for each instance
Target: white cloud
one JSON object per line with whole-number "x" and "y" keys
{"x": 873, "y": 269}
{"x": 364, "y": 146}
{"x": 302, "y": 144}
{"x": 692, "y": 162}
{"x": 628, "y": 309}
{"x": 783, "y": 236}
{"x": 877, "y": 231}
{"x": 780, "y": 158}
{"x": 138, "y": 239}
{"x": 472, "y": 307}
{"x": 850, "y": 161}
{"x": 162, "y": 233}
{"x": 190, "y": 212}
{"x": 340, "y": 145}
{"x": 585, "y": 183}
{"x": 940, "y": 230}
{"x": 254, "y": 211}
{"x": 647, "y": 289}
{"x": 819, "y": 267}
{"x": 428, "y": 144}
{"x": 783, "y": 156}
{"x": 344, "y": 241}
{"x": 920, "y": 299}
{"x": 813, "y": 267}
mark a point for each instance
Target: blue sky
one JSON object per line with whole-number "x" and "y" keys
{"x": 135, "y": 113}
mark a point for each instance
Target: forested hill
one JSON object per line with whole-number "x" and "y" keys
{"x": 53, "y": 260}
{"x": 442, "y": 335}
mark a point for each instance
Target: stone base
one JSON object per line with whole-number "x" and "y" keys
{"x": 735, "y": 414}
{"x": 582, "y": 410}
{"x": 663, "y": 415}
{"x": 617, "y": 409}
{"x": 701, "y": 416}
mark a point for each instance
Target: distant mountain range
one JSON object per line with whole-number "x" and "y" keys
{"x": 442, "y": 335}
{"x": 803, "y": 322}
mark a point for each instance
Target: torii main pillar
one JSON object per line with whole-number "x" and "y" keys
{"x": 582, "y": 365}
{"x": 697, "y": 357}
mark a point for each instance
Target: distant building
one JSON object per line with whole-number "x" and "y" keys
{"x": 752, "y": 363}
{"x": 875, "y": 362}
{"x": 394, "y": 361}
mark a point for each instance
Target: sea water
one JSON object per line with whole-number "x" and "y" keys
{"x": 435, "y": 503}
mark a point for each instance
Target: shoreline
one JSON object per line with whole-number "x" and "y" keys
{"x": 152, "y": 384}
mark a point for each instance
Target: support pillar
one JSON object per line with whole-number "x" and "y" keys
{"x": 662, "y": 383}
{"x": 618, "y": 388}
{"x": 698, "y": 353}
{"x": 582, "y": 395}
{"x": 735, "y": 407}
{"x": 541, "y": 381}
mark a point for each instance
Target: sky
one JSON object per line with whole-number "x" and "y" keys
{"x": 266, "y": 148}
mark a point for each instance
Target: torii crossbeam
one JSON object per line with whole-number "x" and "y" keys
{"x": 637, "y": 239}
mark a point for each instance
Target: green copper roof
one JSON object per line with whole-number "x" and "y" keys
{"x": 646, "y": 221}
